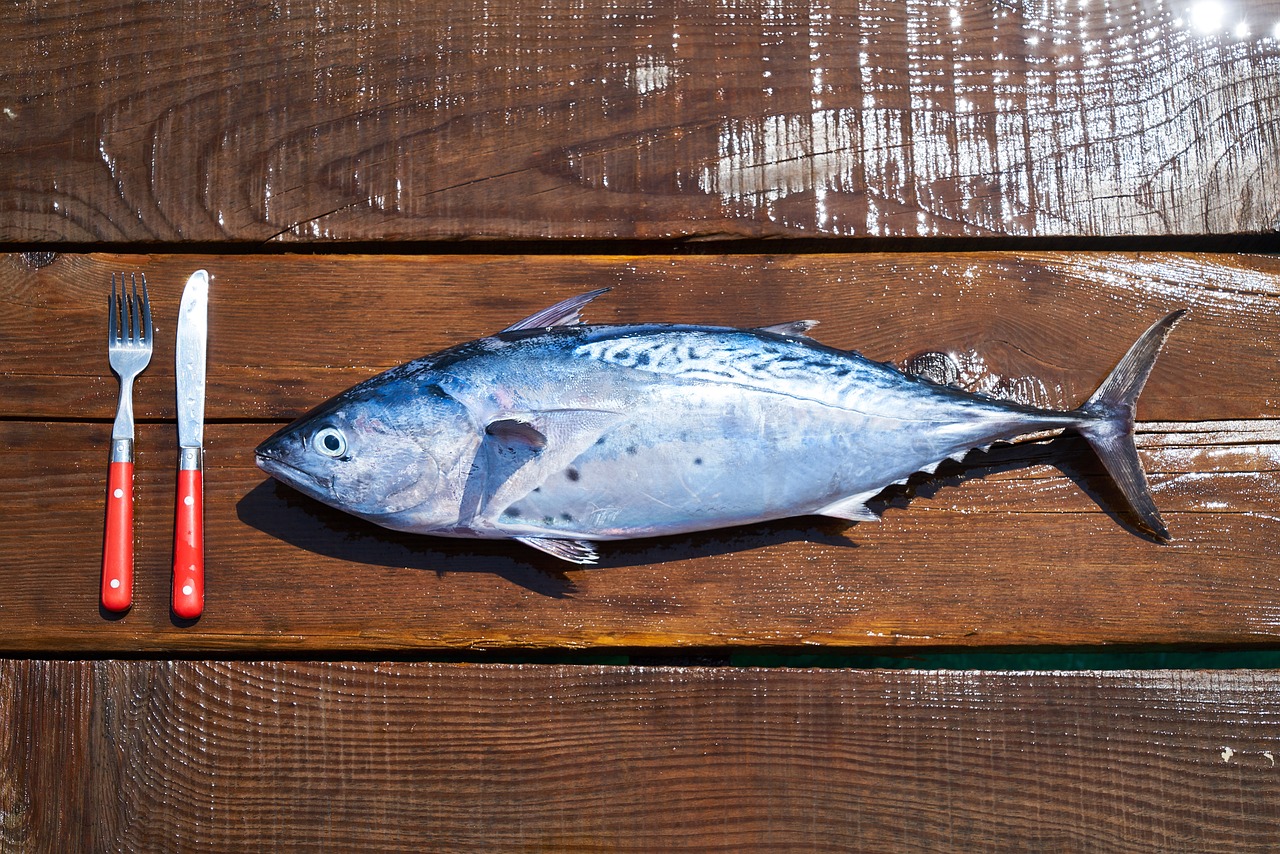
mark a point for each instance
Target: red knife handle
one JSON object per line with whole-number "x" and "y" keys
{"x": 188, "y": 544}
{"x": 117, "y": 546}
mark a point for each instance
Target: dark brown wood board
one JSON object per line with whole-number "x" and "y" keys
{"x": 1018, "y": 547}
{"x": 126, "y": 121}
{"x": 281, "y": 756}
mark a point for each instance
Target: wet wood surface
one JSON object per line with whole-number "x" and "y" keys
{"x": 201, "y": 128}
{"x": 226, "y": 756}
{"x": 266, "y": 120}
{"x": 1020, "y": 546}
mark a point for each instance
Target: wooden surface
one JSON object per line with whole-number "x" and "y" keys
{"x": 1021, "y": 546}
{"x": 547, "y": 118}
{"x": 230, "y": 756}
{"x": 191, "y": 132}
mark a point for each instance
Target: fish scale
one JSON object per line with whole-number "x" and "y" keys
{"x": 559, "y": 434}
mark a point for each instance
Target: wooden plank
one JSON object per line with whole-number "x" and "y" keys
{"x": 1017, "y": 547}
{"x": 992, "y": 553}
{"x": 45, "y": 755}
{"x": 291, "y": 331}
{"x": 555, "y": 118}
{"x": 228, "y": 756}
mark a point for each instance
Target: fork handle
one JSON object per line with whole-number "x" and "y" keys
{"x": 188, "y": 537}
{"x": 117, "y": 546}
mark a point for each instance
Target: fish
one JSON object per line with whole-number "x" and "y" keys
{"x": 560, "y": 434}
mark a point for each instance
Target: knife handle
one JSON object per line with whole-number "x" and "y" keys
{"x": 117, "y": 545}
{"x": 188, "y": 539}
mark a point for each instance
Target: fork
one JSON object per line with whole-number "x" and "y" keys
{"x": 129, "y": 351}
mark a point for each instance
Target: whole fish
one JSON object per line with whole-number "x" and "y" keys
{"x": 558, "y": 434}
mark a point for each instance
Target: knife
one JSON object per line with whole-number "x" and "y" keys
{"x": 188, "y": 534}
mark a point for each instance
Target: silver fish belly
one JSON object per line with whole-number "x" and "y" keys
{"x": 559, "y": 434}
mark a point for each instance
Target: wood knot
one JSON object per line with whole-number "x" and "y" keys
{"x": 940, "y": 368}
{"x": 36, "y": 260}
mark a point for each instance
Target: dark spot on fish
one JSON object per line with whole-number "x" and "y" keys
{"x": 573, "y": 474}
{"x": 537, "y": 489}
{"x": 697, "y": 461}
{"x": 632, "y": 450}
{"x": 513, "y": 512}
{"x": 566, "y": 517}
{"x": 600, "y": 441}
{"x": 548, "y": 520}
{"x": 642, "y": 359}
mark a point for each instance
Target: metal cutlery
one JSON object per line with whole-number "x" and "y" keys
{"x": 188, "y": 537}
{"x": 129, "y": 351}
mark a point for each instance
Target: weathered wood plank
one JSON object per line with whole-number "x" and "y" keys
{"x": 227, "y": 756}
{"x": 1016, "y": 547}
{"x": 45, "y": 756}
{"x": 289, "y": 332}
{"x": 125, "y": 121}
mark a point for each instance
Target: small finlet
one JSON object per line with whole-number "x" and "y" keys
{"x": 794, "y": 328}
{"x": 574, "y": 551}
{"x": 563, "y": 313}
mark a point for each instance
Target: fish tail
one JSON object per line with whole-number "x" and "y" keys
{"x": 1107, "y": 422}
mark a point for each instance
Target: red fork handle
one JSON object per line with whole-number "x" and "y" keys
{"x": 117, "y": 545}
{"x": 188, "y": 545}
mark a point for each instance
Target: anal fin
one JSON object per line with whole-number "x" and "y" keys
{"x": 853, "y": 508}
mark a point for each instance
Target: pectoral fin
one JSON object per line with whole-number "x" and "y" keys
{"x": 521, "y": 450}
{"x": 512, "y": 431}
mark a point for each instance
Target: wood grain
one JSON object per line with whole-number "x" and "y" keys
{"x": 1021, "y": 546}
{"x": 1018, "y": 547}
{"x": 125, "y": 121}
{"x": 1015, "y": 548}
{"x": 45, "y": 754}
{"x": 291, "y": 331}
{"x": 223, "y": 756}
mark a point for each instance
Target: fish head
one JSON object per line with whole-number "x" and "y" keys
{"x": 399, "y": 450}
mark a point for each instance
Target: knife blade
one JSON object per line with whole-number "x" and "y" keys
{"x": 188, "y": 534}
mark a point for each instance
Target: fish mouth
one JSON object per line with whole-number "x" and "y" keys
{"x": 290, "y": 474}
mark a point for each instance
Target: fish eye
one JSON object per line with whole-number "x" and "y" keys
{"x": 330, "y": 442}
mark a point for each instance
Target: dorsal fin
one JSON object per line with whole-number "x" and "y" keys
{"x": 563, "y": 313}
{"x": 794, "y": 328}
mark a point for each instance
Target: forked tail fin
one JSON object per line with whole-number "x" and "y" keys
{"x": 1107, "y": 422}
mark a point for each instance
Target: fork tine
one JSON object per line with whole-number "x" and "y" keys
{"x": 146, "y": 312}
{"x": 134, "y": 320}
{"x": 110, "y": 314}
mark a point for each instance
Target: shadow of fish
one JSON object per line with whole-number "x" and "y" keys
{"x": 558, "y": 434}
